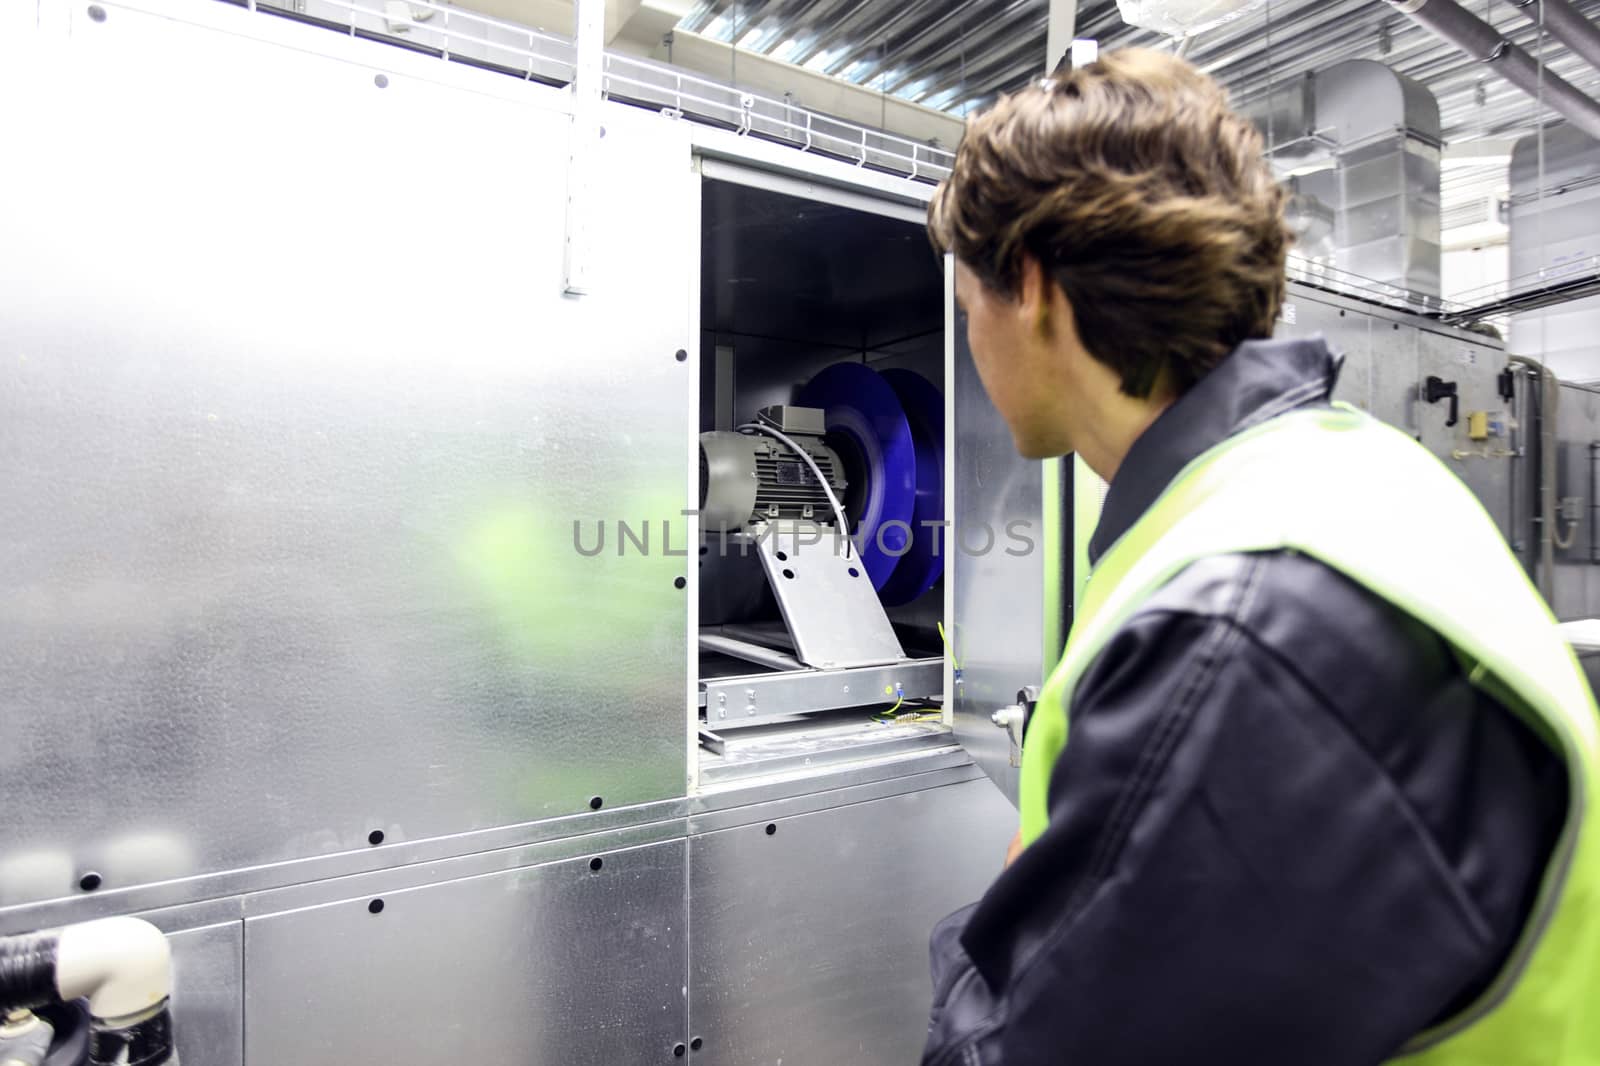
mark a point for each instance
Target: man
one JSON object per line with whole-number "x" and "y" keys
{"x": 1325, "y": 797}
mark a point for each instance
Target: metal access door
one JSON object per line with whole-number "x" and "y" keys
{"x": 1007, "y": 569}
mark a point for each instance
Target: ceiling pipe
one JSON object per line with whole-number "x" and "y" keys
{"x": 1482, "y": 41}
{"x": 1567, "y": 25}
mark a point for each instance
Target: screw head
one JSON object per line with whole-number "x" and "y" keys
{"x": 381, "y": 81}
{"x": 97, "y": 13}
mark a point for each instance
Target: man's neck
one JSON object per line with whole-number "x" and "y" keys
{"x": 1122, "y": 420}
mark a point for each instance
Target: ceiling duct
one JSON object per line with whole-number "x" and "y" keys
{"x": 1361, "y": 143}
{"x": 1555, "y": 241}
{"x": 1183, "y": 18}
{"x": 1482, "y": 41}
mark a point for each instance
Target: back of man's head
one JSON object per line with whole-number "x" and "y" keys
{"x": 1143, "y": 195}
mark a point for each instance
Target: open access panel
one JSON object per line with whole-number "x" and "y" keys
{"x": 878, "y": 571}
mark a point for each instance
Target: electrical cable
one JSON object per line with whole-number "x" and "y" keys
{"x": 764, "y": 426}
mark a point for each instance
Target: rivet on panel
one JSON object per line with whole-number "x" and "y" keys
{"x": 97, "y": 13}
{"x": 381, "y": 81}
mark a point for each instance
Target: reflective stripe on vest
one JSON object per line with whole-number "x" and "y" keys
{"x": 1371, "y": 503}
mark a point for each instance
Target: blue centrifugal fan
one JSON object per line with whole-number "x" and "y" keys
{"x": 860, "y": 448}
{"x": 891, "y": 423}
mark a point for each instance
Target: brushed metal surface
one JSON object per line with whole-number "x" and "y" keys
{"x": 1396, "y": 375}
{"x": 1347, "y": 333}
{"x": 1482, "y": 465}
{"x": 208, "y": 994}
{"x": 294, "y": 428}
{"x": 1577, "y": 578}
{"x": 995, "y": 560}
{"x": 755, "y": 698}
{"x": 809, "y": 945}
{"x": 827, "y": 598}
{"x": 555, "y": 964}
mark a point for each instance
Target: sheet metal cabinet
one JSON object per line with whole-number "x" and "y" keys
{"x": 297, "y": 428}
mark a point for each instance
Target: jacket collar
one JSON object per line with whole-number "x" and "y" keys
{"x": 1260, "y": 380}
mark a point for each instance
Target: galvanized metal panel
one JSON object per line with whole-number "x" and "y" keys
{"x": 1307, "y": 313}
{"x": 295, "y": 427}
{"x": 555, "y": 964}
{"x": 1396, "y": 374}
{"x": 1576, "y": 586}
{"x": 1484, "y": 466}
{"x": 995, "y": 562}
{"x": 208, "y": 994}
{"x": 810, "y": 943}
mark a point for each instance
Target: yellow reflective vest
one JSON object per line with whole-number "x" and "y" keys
{"x": 1371, "y": 503}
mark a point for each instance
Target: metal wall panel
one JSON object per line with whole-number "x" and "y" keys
{"x": 1475, "y": 368}
{"x": 995, "y": 564}
{"x": 809, "y": 945}
{"x": 1308, "y": 314}
{"x": 295, "y": 424}
{"x": 208, "y": 994}
{"x": 1395, "y": 374}
{"x": 547, "y": 965}
{"x": 1576, "y": 585}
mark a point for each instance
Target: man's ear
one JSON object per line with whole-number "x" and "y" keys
{"x": 1033, "y": 296}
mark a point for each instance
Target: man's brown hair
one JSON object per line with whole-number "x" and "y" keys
{"x": 1146, "y": 198}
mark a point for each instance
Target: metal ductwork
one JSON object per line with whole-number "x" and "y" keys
{"x": 1477, "y": 38}
{"x": 1555, "y": 239}
{"x": 1360, "y": 145}
{"x": 1567, "y": 25}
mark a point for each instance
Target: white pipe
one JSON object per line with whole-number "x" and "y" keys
{"x": 122, "y": 966}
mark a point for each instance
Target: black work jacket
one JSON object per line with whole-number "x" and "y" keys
{"x": 1285, "y": 828}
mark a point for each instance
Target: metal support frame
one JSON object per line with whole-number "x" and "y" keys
{"x": 757, "y": 698}
{"x": 827, "y": 599}
{"x": 1059, "y": 32}
{"x": 583, "y": 144}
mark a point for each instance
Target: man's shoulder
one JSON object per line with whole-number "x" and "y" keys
{"x": 1345, "y": 641}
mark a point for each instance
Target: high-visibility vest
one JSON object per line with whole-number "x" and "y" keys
{"x": 1369, "y": 502}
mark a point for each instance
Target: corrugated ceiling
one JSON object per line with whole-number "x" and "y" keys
{"x": 958, "y": 56}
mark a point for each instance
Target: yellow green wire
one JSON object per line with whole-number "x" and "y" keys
{"x": 948, "y": 650}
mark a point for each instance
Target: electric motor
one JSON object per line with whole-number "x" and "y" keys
{"x": 749, "y": 478}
